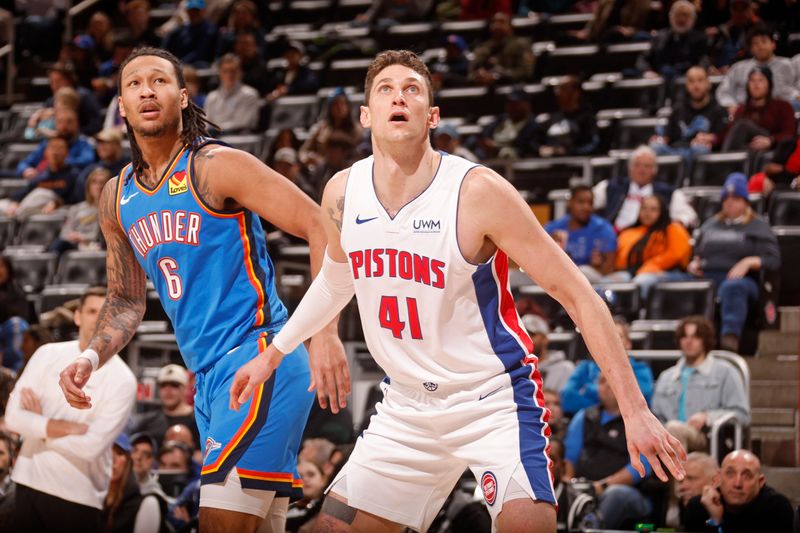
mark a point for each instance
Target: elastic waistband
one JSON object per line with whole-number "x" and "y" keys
{"x": 251, "y": 336}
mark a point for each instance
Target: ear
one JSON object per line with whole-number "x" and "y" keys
{"x": 434, "y": 116}
{"x": 716, "y": 479}
{"x": 121, "y": 107}
{"x": 76, "y": 317}
{"x": 364, "y": 118}
{"x": 184, "y": 98}
{"x": 761, "y": 480}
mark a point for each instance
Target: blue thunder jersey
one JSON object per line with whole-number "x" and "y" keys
{"x": 210, "y": 268}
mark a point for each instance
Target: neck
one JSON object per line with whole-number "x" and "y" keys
{"x": 758, "y": 102}
{"x": 574, "y": 223}
{"x": 402, "y": 170}
{"x": 695, "y": 361}
{"x": 702, "y": 102}
{"x": 179, "y": 409}
{"x": 158, "y": 151}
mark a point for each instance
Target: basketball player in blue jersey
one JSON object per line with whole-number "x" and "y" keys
{"x": 185, "y": 213}
{"x": 423, "y": 239}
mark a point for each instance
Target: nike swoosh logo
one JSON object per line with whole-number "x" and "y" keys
{"x": 363, "y": 220}
{"x": 498, "y": 389}
{"x": 125, "y": 199}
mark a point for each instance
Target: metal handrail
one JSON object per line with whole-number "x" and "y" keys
{"x": 75, "y": 10}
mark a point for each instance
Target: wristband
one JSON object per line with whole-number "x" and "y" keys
{"x": 713, "y": 523}
{"x": 92, "y": 356}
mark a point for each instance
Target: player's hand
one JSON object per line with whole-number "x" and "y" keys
{"x": 330, "y": 374}
{"x": 254, "y": 373}
{"x": 648, "y": 437}
{"x": 72, "y": 379}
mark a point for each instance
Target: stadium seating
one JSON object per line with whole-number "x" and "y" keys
{"x": 40, "y": 230}
{"x": 33, "y": 270}
{"x": 789, "y": 242}
{"x": 712, "y": 169}
{"x": 86, "y": 267}
{"x": 784, "y": 208}
{"x": 676, "y": 299}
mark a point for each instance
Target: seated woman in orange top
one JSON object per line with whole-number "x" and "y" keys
{"x": 655, "y": 249}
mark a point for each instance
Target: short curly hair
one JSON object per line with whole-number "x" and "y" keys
{"x": 407, "y": 58}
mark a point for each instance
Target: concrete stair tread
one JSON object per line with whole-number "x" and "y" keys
{"x": 776, "y": 367}
{"x": 773, "y": 393}
{"x": 774, "y": 342}
{"x": 773, "y": 416}
{"x": 773, "y": 432}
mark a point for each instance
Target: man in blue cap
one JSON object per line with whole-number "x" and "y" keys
{"x": 731, "y": 248}
{"x": 194, "y": 42}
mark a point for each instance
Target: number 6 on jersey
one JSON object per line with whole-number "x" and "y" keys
{"x": 389, "y": 317}
{"x": 169, "y": 267}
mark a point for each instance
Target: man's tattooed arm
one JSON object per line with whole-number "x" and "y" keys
{"x": 124, "y": 307}
{"x": 337, "y": 214}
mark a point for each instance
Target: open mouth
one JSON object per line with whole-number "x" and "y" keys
{"x": 398, "y": 116}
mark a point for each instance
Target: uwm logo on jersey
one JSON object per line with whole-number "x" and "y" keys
{"x": 427, "y": 226}
{"x": 178, "y": 183}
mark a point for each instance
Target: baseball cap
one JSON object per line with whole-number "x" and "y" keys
{"x": 535, "y": 324}
{"x": 457, "y": 41}
{"x": 84, "y": 42}
{"x": 136, "y": 438}
{"x": 123, "y": 443}
{"x": 196, "y": 4}
{"x": 173, "y": 374}
{"x": 735, "y": 185}
{"x": 446, "y": 129}
{"x": 286, "y": 155}
{"x": 109, "y": 135}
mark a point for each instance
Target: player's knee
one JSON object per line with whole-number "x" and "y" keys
{"x": 223, "y": 521}
{"x": 335, "y": 516}
{"x": 527, "y": 516}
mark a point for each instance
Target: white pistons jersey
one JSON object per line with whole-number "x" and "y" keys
{"x": 431, "y": 319}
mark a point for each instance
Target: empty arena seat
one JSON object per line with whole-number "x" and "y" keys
{"x": 622, "y": 298}
{"x": 9, "y": 186}
{"x": 13, "y": 153}
{"x": 674, "y": 300}
{"x": 784, "y": 208}
{"x": 293, "y": 112}
{"x": 635, "y": 131}
{"x": 40, "y": 230}
{"x": 540, "y": 176}
{"x": 415, "y": 36}
{"x": 78, "y": 266}
{"x": 348, "y": 71}
{"x": 7, "y": 227}
{"x": 712, "y": 169}
{"x": 581, "y": 61}
{"x": 305, "y": 11}
{"x": 660, "y": 333}
{"x": 465, "y": 101}
{"x": 470, "y": 30}
{"x": 564, "y": 341}
{"x": 251, "y": 143}
{"x": 789, "y": 243}
{"x": 32, "y": 270}
{"x": 57, "y": 295}
{"x": 642, "y": 93}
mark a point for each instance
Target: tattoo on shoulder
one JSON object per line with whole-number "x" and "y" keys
{"x": 337, "y": 214}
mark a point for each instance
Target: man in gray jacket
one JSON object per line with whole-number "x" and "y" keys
{"x": 700, "y": 388}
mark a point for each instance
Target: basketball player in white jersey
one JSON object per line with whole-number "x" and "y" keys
{"x": 423, "y": 239}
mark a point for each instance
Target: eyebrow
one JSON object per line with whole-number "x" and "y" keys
{"x": 154, "y": 69}
{"x": 410, "y": 78}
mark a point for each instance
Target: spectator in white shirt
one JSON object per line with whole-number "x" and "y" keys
{"x": 64, "y": 466}
{"x": 234, "y": 106}
{"x": 619, "y": 199}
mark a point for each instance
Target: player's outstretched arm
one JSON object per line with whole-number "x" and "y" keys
{"x": 491, "y": 207}
{"x": 331, "y": 290}
{"x": 122, "y": 311}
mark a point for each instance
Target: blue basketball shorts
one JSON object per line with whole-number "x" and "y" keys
{"x": 262, "y": 439}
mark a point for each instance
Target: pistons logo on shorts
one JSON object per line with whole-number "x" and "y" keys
{"x": 489, "y": 487}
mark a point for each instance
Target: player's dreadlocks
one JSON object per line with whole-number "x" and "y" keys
{"x": 194, "y": 121}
